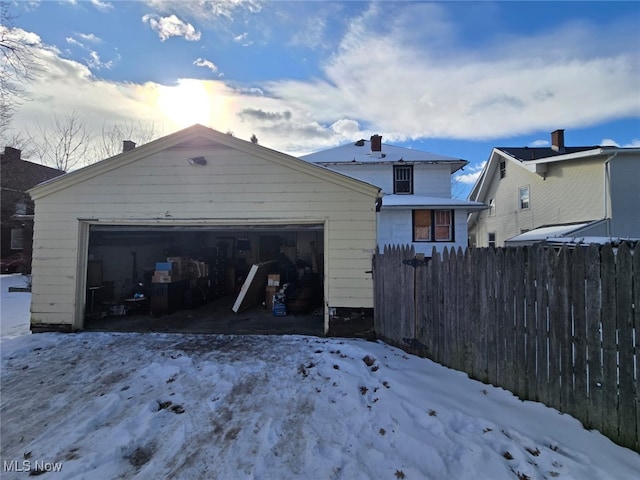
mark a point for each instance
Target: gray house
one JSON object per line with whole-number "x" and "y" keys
{"x": 582, "y": 194}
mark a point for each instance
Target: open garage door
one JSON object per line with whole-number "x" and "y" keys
{"x": 189, "y": 278}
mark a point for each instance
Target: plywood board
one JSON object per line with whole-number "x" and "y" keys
{"x": 253, "y": 288}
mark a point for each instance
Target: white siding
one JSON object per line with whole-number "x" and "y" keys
{"x": 429, "y": 180}
{"x": 571, "y": 191}
{"x": 625, "y": 196}
{"x": 395, "y": 227}
{"x": 233, "y": 188}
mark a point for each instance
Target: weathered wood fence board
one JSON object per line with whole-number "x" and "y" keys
{"x": 559, "y": 327}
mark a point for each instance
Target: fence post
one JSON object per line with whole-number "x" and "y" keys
{"x": 580, "y": 392}
{"x": 518, "y": 359}
{"x": 624, "y": 294}
{"x": 530, "y": 325}
{"x": 609, "y": 348}
{"x": 636, "y": 328}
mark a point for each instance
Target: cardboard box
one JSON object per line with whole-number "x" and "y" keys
{"x": 273, "y": 280}
{"x": 163, "y": 276}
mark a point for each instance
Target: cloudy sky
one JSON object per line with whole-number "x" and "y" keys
{"x": 455, "y": 78}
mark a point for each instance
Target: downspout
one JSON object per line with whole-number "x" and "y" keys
{"x": 607, "y": 191}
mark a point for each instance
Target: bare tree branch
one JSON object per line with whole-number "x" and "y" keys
{"x": 18, "y": 66}
{"x": 112, "y": 135}
{"x": 65, "y": 144}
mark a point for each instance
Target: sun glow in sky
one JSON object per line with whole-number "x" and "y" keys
{"x": 189, "y": 102}
{"x": 453, "y": 78}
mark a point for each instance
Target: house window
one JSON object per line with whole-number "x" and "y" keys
{"x": 21, "y": 208}
{"x": 442, "y": 225}
{"x": 422, "y": 225}
{"x": 433, "y": 226}
{"x": 503, "y": 168}
{"x": 403, "y": 179}
{"x": 524, "y": 197}
{"x": 492, "y": 239}
{"x": 492, "y": 207}
{"x": 17, "y": 238}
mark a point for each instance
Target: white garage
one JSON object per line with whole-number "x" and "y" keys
{"x": 201, "y": 214}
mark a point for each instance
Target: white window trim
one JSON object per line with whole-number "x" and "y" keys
{"x": 520, "y": 190}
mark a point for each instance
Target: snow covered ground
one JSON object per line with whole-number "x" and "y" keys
{"x": 14, "y": 307}
{"x": 112, "y": 405}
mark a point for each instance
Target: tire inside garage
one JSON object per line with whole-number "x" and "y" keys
{"x": 190, "y": 279}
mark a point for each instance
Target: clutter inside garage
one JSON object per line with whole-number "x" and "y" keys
{"x": 158, "y": 270}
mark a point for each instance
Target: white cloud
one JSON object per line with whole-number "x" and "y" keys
{"x": 89, "y": 37}
{"x": 101, "y": 5}
{"x": 382, "y": 80}
{"x": 201, "y": 62}
{"x": 242, "y": 39}
{"x": 540, "y": 143}
{"x": 96, "y": 62}
{"x": 171, "y": 26}
{"x": 439, "y": 89}
{"x": 203, "y": 9}
{"x": 73, "y": 41}
{"x": 471, "y": 173}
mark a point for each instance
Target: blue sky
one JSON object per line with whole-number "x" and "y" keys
{"x": 455, "y": 78}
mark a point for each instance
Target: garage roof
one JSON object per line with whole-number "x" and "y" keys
{"x": 211, "y": 137}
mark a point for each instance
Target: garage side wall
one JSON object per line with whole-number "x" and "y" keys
{"x": 232, "y": 188}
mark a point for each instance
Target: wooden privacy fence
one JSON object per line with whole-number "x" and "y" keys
{"x": 557, "y": 327}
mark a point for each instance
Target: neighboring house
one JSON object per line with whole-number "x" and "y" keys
{"x": 206, "y": 195}
{"x": 416, "y": 207}
{"x": 17, "y": 176}
{"x": 536, "y": 194}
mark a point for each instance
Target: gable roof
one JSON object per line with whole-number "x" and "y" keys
{"x": 536, "y": 153}
{"x": 21, "y": 175}
{"x": 533, "y": 159}
{"x": 360, "y": 153}
{"x": 198, "y": 133}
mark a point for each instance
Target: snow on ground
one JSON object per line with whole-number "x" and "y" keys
{"x": 14, "y": 306}
{"x": 114, "y": 405}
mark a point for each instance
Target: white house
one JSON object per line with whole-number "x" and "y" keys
{"x": 557, "y": 192}
{"x": 206, "y": 195}
{"x": 416, "y": 207}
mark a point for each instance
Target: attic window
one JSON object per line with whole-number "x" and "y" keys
{"x": 503, "y": 168}
{"x": 360, "y": 143}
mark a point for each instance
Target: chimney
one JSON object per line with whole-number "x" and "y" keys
{"x": 557, "y": 141}
{"x": 376, "y": 143}
{"x": 10, "y": 154}
{"x": 128, "y": 145}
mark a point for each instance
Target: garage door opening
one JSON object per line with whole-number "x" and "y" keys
{"x": 206, "y": 279}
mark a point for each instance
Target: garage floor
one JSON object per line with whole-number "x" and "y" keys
{"x": 215, "y": 317}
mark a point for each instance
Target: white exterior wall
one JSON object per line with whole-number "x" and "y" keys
{"x": 429, "y": 180}
{"x": 234, "y": 188}
{"x": 395, "y": 227}
{"x": 571, "y": 191}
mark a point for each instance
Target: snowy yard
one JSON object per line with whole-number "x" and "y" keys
{"x": 113, "y": 405}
